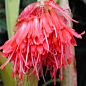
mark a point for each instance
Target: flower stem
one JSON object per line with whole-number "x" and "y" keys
{"x": 69, "y": 75}
{"x": 12, "y": 11}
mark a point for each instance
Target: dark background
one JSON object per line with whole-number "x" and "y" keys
{"x": 78, "y": 9}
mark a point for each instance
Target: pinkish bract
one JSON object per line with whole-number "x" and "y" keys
{"x": 42, "y": 38}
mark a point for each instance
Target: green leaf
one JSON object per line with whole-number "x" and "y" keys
{"x": 50, "y": 81}
{"x": 56, "y": 1}
{"x": 6, "y": 73}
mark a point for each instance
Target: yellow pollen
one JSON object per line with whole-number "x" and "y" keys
{"x": 61, "y": 62}
{"x": 22, "y": 77}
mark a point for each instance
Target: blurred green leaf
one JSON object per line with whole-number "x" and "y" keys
{"x": 2, "y": 25}
{"x": 2, "y": 10}
{"x": 2, "y": 0}
{"x": 6, "y": 73}
{"x": 27, "y": 2}
{"x": 51, "y": 81}
{"x": 54, "y": 0}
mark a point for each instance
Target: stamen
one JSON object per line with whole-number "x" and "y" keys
{"x": 33, "y": 77}
{"x": 56, "y": 62}
{"x": 82, "y": 33}
{"x": 54, "y": 76}
{"x": 62, "y": 53}
{"x": 32, "y": 60}
{"x": 51, "y": 60}
{"x": 24, "y": 61}
{"x": 46, "y": 40}
{"x": 35, "y": 42}
{"x": 35, "y": 65}
{"x": 23, "y": 69}
{"x": 61, "y": 77}
{"x": 55, "y": 31}
{"x": 20, "y": 71}
{"x": 42, "y": 73}
{"x": 15, "y": 67}
{"x": 9, "y": 58}
{"x": 37, "y": 73}
{"x": 39, "y": 42}
{"x": 27, "y": 53}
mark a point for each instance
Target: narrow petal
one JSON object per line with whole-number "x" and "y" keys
{"x": 46, "y": 25}
{"x": 22, "y": 32}
{"x": 56, "y": 6}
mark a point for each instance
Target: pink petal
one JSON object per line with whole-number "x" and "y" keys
{"x": 40, "y": 49}
{"x": 26, "y": 12}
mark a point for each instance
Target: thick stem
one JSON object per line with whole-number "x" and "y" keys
{"x": 12, "y": 11}
{"x": 69, "y": 75}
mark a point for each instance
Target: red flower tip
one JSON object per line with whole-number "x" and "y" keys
{"x": 61, "y": 78}
{"x": 13, "y": 74}
{"x": 42, "y": 38}
{"x": 2, "y": 67}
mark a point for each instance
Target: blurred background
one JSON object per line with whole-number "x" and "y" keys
{"x": 78, "y": 9}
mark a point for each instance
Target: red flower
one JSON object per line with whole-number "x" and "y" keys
{"x": 42, "y": 38}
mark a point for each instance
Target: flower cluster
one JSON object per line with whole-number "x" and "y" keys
{"x": 42, "y": 38}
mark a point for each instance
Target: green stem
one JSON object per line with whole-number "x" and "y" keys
{"x": 12, "y": 11}
{"x": 69, "y": 75}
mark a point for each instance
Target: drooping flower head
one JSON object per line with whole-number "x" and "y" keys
{"x": 42, "y": 38}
